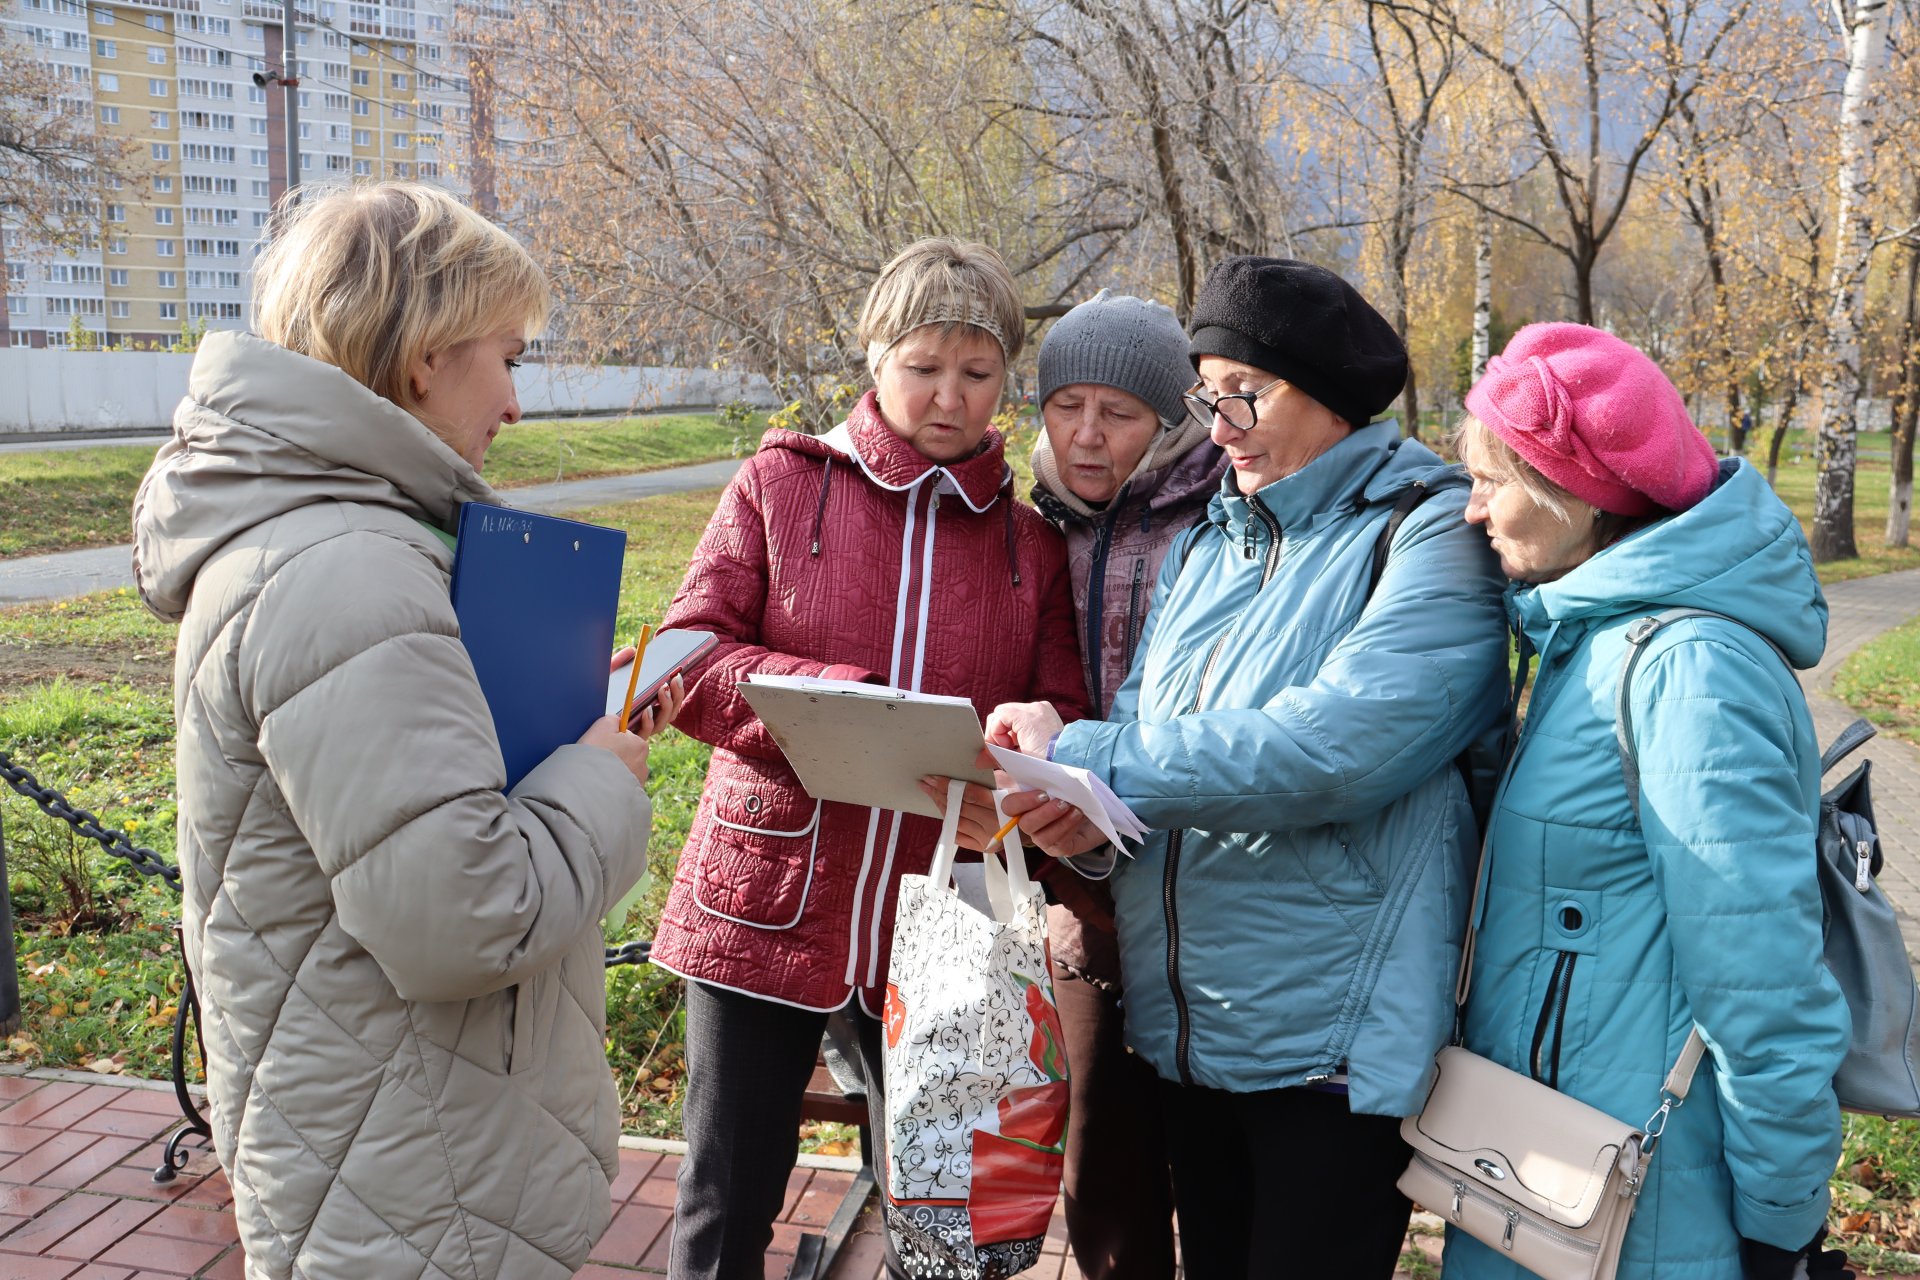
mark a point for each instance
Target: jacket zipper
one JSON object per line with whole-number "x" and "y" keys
{"x": 1553, "y": 1014}
{"x": 1463, "y": 1191}
{"x": 1169, "y": 896}
{"x": 1132, "y": 634}
{"x": 1096, "y": 603}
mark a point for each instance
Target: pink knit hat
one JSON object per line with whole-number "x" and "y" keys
{"x": 1597, "y": 417}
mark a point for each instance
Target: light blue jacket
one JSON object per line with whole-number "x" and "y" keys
{"x": 1704, "y": 909}
{"x": 1299, "y": 908}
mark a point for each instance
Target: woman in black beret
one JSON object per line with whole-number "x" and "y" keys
{"x": 1320, "y": 649}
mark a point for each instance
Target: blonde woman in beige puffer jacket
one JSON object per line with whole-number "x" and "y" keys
{"x": 401, "y": 965}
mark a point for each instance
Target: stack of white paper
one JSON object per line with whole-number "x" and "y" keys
{"x": 1078, "y": 788}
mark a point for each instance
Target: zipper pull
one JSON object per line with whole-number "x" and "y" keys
{"x": 1513, "y": 1220}
{"x": 1458, "y": 1192}
{"x": 1863, "y": 870}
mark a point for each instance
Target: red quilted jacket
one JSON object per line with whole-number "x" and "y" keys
{"x": 849, "y": 556}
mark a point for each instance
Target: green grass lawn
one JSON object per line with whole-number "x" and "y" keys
{"x": 86, "y": 703}
{"x": 60, "y": 499}
{"x": 1871, "y": 480}
{"x": 1882, "y": 681}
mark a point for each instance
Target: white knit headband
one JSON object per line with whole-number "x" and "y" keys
{"x": 973, "y": 314}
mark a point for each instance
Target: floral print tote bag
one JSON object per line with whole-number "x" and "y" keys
{"x": 976, "y": 1071}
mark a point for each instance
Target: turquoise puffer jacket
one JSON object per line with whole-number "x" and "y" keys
{"x": 1299, "y": 908}
{"x": 1603, "y": 938}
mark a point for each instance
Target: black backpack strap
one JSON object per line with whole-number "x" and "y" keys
{"x": 1192, "y": 540}
{"x": 1638, "y": 634}
{"x": 1409, "y": 498}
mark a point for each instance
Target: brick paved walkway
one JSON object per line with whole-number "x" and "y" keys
{"x": 78, "y": 1200}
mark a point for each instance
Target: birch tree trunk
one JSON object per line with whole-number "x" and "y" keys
{"x": 1482, "y": 293}
{"x": 1906, "y": 407}
{"x": 1840, "y": 378}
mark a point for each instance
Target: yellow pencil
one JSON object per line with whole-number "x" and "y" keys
{"x": 633, "y": 681}
{"x": 1001, "y": 834}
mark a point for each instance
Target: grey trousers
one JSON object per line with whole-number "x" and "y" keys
{"x": 748, "y": 1061}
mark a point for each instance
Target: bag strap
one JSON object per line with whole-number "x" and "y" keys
{"x": 1679, "y": 1078}
{"x": 1638, "y": 634}
{"x": 1008, "y": 882}
{"x": 1673, "y": 1090}
{"x": 1409, "y": 498}
{"x": 1845, "y": 743}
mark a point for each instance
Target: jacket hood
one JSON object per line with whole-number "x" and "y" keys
{"x": 1372, "y": 464}
{"x": 890, "y": 462}
{"x": 1739, "y": 551}
{"x": 264, "y": 431}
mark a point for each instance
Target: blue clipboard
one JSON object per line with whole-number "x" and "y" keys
{"x": 536, "y": 596}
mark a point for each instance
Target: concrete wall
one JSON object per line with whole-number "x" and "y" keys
{"x": 55, "y": 393}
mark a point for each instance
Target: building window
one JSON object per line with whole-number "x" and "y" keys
{"x": 117, "y": 277}
{"x": 118, "y": 244}
{"x": 106, "y": 49}
{"x": 258, "y": 124}
{"x": 401, "y": 141}
{"x": 362, "y": 137}
{"x": 167, "y": 279}
{"x": 163, "y": 216}
{"x": 257, "y": 157}
{"x": 163, "y": 248}
{"x": 156, "y": 87}
{"x": 430, "y": 169}
{"x": 336, "y": 164}
{"x": 116, "y": 213}
{"x": 160, "y": 119}
{"x": 256, "y": 95}
{"x": 157, "y": 55}
{"x": 163, "y": 184}
{"x": 160, "y": 150}
{"x": 107, "y": 82}
{"x": 109, "y": 115}
{"x": 363, "y": 168}
{"x": 16, "y": 306}
{"x": 360, "y": 106}
{"x": 16, "y": 272}
{"x": 104, "y": 17}
{"x": 401, "y": 169}
{"x": 169, "y": 311}
{"x": 262, "y": 189}
{"x": 397, "y": 80}
{"x": 118, "y": 310}
{"x": 156, "y": 23}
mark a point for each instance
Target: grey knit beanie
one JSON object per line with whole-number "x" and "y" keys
{"x": 1114, "y": 340}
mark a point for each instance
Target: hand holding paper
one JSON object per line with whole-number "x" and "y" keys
{"x": 1075, "y": 786}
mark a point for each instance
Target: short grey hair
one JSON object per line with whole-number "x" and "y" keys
{"x": 1473, "y": 438}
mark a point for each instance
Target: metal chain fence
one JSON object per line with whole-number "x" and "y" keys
{"x": 148, "y": 863}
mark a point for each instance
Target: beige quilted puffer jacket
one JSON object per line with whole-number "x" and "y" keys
{"x": 401, "y": 966}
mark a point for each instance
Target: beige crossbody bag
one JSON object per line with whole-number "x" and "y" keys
{"x": 1544, "y": 1178}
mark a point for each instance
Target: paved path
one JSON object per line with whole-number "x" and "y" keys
{"x": 78, "y": 1201}
{"x": 1862, "y": 609}
{"x": 65, "y": 574}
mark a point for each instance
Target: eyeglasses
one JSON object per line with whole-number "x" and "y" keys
{"x": 1239, "y": 409}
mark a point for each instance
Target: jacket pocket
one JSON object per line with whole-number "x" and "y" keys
{"x": 760, "y": 842}
{"x": 1550, "y": 1028}
{"x": 531, "y": 1008}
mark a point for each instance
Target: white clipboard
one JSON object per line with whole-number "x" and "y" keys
{"x": 867, "y": 744}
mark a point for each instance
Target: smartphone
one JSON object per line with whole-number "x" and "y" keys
{"x": 667, "y": 654}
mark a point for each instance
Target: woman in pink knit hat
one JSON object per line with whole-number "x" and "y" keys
{"x": 1619, "y": 912}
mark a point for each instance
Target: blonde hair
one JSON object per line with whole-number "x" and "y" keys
{"x": 1502, "y": 459}
{"x": 371, "y": 278}
{"x": 946, "y": 282}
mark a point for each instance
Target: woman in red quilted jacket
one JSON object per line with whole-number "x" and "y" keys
{"x": 889, "y": 550}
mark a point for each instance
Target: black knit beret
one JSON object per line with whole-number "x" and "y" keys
{"x": 1305, "y": 324}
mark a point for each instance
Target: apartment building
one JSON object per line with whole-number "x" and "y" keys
{"x": 383, "y": 93}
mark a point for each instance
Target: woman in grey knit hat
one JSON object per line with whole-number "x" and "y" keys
{"x": 1122, "y": 468}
